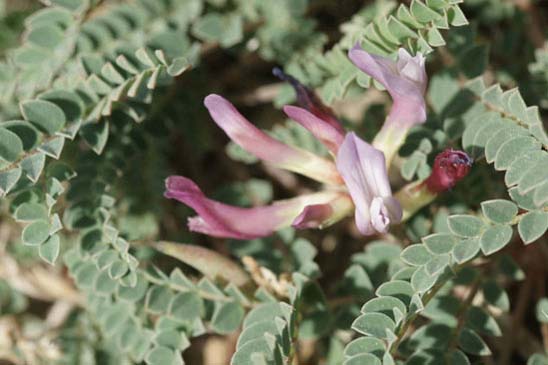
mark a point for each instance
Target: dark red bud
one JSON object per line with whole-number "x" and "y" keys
{"x": 450, "y": 166}
{"x": 308, "y": 99}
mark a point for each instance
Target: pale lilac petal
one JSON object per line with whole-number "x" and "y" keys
{"x": 394, "y": 208}
{"x": 331, "y": 137}
{"x": 364, "y": 172}
{"x": 404, "y": 79}
{"x": 222, "y": 220}
{"x": 379, "y": 215}
{"x": 384, "y": 211}
{"x": 255, "y": 141}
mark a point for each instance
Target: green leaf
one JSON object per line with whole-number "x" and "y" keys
{"x": 53, "y": 147}
{"x": 466, "y": 250}
{"x": 509, "y": 268}
{"x": 33, "y": 166}
{"x": 227, "y": 317}
{"x": 499, "y": 210}
{"x": 161, "y": 356}
{"x": 535, "y": 176}
{"x": 542, "y": 310}
{"x": 172, "y": 338}
{"x": 104, "y": 284}
{"x": 257, "y": 330}
{"x": 225, "y": 29}
{"x": 118, "y": 269}
{"x": 72, "y": 5}
{"x": 243, "y": 355}
{"x": 421, "y": 280}
{"x": 397, "y": 288}
{"x": 520, "y": 166}
{"x": 422, "y": 13}
{"x": 133, "y": 294}
{"x": 44, "y": 114}
{"x": 365, "y": 345}
{"x": 513, "y": 149}
{"x": 361, "y": 359}
{"x": 95, "y": 135}
{"x": 499, "y": 138}
{"x": 384, "y": 305}
{"x": 28, "y": 212}
{"x": 86, "y": 274}
{"x": 495, "y": 238}
{"x": 35, "y": 233}
{"x": 178, "y": 66}
{"x": 532, "y": 226}
{"x": 158, "y": 299}
{"x": 49, "y": 250}
{"x": 11, "y": 145}
{"x": 439, "y": 243}
{"x": 416, "y": 255}
{"x": 374, "y": 324}
{"x": 524, "y": 201}
{"x": 46, "y": 36}
{"x": 473, "y": 62}
{"x": 471, "y": 343}
{"x": 495, "y": 295}
{"x": 479, "y": 320}
{"x": 186, "y": 307}
{"x": 538, "y": 359}
{"x": 263, "y": 312}
{"x": 26, "y": 132}
{"x": 465, "y": 225}
{"x": 437, "y": 264}
{"x": 8, "y": 179}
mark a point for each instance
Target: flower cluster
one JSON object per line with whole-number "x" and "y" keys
{"x": 355, "y": 179}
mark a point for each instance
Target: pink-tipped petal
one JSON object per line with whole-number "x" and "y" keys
{"x": 313, "y": 216}
{"x": 268, "y": 149}
{"x": 226, "y": 221}
{"x": 364, "y": 172}
{"x": 323, "y": 215}
{"x": 331, "y": 137}
{"x": 405, "y": 80}
{"x": 308, "y": 99}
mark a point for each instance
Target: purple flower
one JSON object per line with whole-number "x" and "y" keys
{"x": 405, "y": 80}
{"x": 356, "y": 181}
{"x": 363, "y": 169}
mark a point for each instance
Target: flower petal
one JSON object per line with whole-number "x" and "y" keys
{"x": 255, "y": 141}
{"x": 308, "y": 99}
{"x": 222, "y": 220}
{"x": 323, "y": 215}
{"x": 364, "y": 172}
{"x": 331, "y": 137}
{"x": 405, "y": 80}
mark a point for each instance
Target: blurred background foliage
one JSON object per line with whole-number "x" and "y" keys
{"x": 101, "y": 100}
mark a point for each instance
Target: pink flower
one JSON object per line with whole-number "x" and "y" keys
{"x": 356, "y": 181}
{"x": 222, "y": 220}
{"x": 405, "y": 80}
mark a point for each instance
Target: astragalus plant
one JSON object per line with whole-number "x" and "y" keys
{"x": 273, "y": 182}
